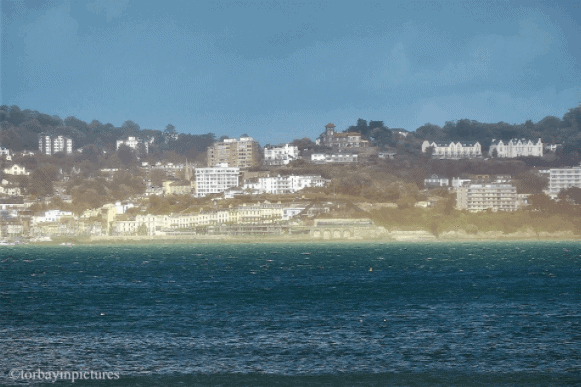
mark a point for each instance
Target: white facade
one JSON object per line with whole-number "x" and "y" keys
{"x": 216, "y": 179}
{"x": 453, "y": 150}
{"x": 517, "y": 147}
{"x": 62, "y": 144}
{"x": 281, "y": 155}
{"x": 480, "y": 197}
{"x": 436, "y": 181}
{"x": 49, "y": 145}
{"x": 50, "y": 216}
{"x": 291, "y": 212}
{"x": 563, "y": 178}
{"x": 16, "y": 170}
{"x": 334, "y": 158}
{"x": 285, "y": 184}
{"x": 133, "y": 142}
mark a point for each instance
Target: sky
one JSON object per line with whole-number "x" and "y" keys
{"x": 281, "y": 70}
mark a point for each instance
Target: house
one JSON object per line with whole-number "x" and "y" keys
{"x": 332, "y": 139}
{"x": 516, "y": 147}
{"x": 386, "y": 155}
{"x": 16, "y": 169}
{"x": 177, "y": 187}
{"x": 453, "y": 150}
{"x": 280, "y": 155}
{"x": 6, "y": 153}
{"x": 135, "y": 143}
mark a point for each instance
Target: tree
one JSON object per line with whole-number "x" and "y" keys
{"x": 125, "y": 154}
{"x": 130, "y": 127}
{"x": 303, "y": 143}
{"x": 530, "y": 183}
{"x": 494, "y": 153}
{"x": 41, "y": 181}
{"x": 541, "y": 202}
{"x": 76, "y": 123}
{"x": 170, "y": 129}
{"x": 572, "y": 194}
{"x": 157, "y": 177}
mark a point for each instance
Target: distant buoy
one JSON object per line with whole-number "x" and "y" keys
{"x": 370, "y": 269}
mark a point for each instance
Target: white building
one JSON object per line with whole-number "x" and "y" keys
{"x": 291, "y": 212}
{"x": 516, "y": 147}
{"x": 216, "y": 179}
{"x": 16, "y": 170}
{"x": 284, "y": 184}
{"x": 480, "y": 197}
{"x": 459, "y": 182}
{"x": 133, "y": 143}
{"x": 50, "y": 216}
{"x": 50, "y": 145}
{"x": 563, "y": 178}
{"x": 5, "y": 152}
{"x": 453, "y": 150}
{"x": 321, "y": 158}
{"x": 280, "y": 155}
{"x": 436, "y": 181}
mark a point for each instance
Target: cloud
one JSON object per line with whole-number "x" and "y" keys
{"x": 51, "y": 36}
{"x": 488, "y": 59}
{"x": 111, "y": 8}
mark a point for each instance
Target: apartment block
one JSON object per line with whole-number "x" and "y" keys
{"x": 216, "y": 179}
{"x": 480, "y": 197}
{"x": 563, "y": 178}
{"x": 49, "y": 145}
{"x": 242, "y": 153}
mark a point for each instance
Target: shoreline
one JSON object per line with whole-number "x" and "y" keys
{"x": 68, "y": 241}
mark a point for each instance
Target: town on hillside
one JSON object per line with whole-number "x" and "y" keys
{"x": 68, "y": 180}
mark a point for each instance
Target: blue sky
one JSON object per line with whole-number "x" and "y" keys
{"x": 280, "y": 70}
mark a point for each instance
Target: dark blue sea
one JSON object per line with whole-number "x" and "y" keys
{"x": 261, "y": 314}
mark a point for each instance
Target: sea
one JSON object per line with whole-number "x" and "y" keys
{"x": 296, "y": 314}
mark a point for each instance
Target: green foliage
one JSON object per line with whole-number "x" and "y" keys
{"x": 41, "y": 181}
{"x": 529, "y": 182}
{"x": 572, "y": 195}
{"x": 157, "y": 177}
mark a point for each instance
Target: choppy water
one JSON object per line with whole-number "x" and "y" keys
{"x": 263, "y": 314}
